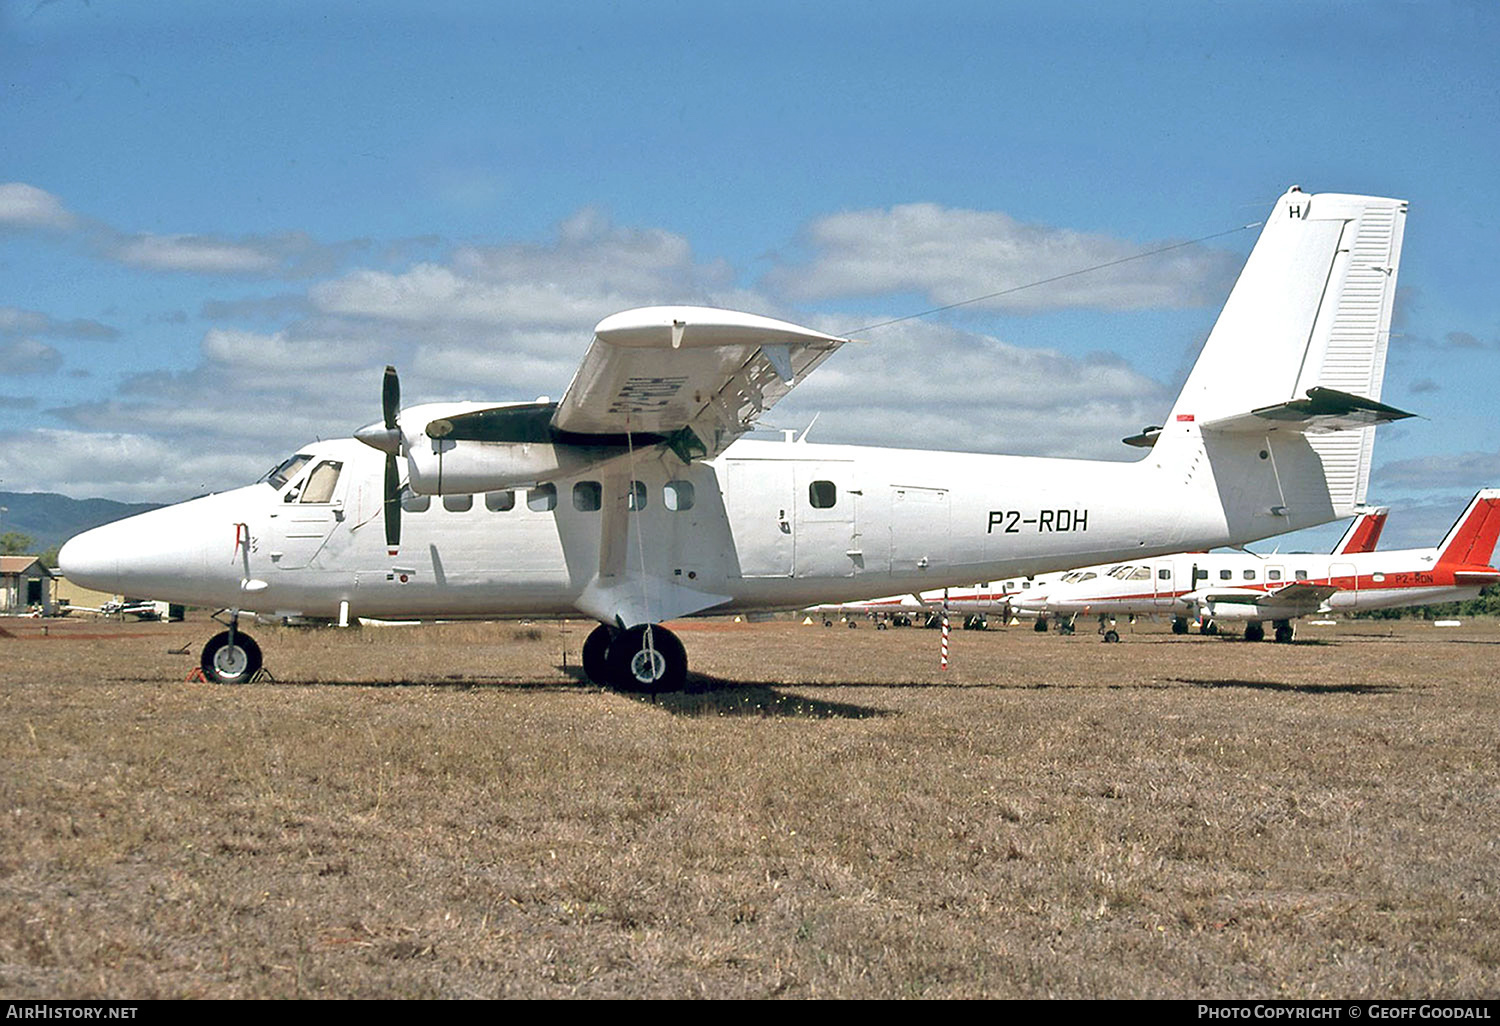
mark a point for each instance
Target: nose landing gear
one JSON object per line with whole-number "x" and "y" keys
{"x": 231, "y": 656}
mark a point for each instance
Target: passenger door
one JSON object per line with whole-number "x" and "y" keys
{"x": 303, "y": 520}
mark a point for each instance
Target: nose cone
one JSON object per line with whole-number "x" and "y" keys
{"x": 158, "y": 555}
{"x": 91, "y": 559}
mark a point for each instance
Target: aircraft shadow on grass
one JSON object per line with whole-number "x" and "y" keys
{"x": 1301, "y": 689}
{"x": 704, "y": 695}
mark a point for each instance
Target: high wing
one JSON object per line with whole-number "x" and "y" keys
{"x": 692, "y": 378}
{"x": 697, "y": 376}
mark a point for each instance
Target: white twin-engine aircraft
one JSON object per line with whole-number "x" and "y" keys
{"x": 1252, "y": 589}
{"x": 634, "y": 500}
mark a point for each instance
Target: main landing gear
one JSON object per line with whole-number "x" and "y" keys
{"x": 231, "y": 656}
{"x": 645, "y": 658}
{"x": 1256, "y": 631}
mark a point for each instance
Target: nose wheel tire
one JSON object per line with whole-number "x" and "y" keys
{"x": 230, "y": 663}
{"x": 634, "y": 664}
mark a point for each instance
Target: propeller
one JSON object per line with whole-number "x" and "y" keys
{"x": 386, "y": 436}
{"x": 390, "y": 405}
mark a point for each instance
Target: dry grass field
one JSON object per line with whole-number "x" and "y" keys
{"x": 451, "y": 811}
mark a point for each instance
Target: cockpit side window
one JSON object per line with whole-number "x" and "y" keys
{"x": 321, "y": 482}
{"x": 278, "y": 476}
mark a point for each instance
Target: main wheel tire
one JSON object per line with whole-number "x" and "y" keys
{"x": 635, "y": 667}
{"x": 1255, "y": 632}
{"x": 224, "y": 663}
{"x": 1179, "y": 625}
{"x": 1041, "y": 625}
{"x": 1111, "y": 636}
{"x": 596, "y": 654}
{"x": 1285, "y": 633}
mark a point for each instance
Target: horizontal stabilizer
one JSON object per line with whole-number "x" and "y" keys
{"x": 1324, "y": 410}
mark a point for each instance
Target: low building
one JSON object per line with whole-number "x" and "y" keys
{"x": 25, "y": 586}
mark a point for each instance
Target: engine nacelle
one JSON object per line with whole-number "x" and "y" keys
{"x": 445, "y": 467}
{"x": 441, "y": 465}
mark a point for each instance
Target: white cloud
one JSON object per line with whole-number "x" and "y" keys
{"x": 122, "y": 466}
{"x": 248, "y": 350}
{"x": 15, "y": 321}
{"x": 935, "y": 387}
{"x": 28, "y": 356}
{"x": 26, "y": 206}
{"x": 1473, "y": 470}
{"x": 591, "y": 270}
{"x": 952, "y": 256}
{"x": 194, "y": 253}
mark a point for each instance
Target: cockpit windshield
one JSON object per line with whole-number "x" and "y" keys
{"x": 278, "y": 476}
{"x": 1078, "y": 576}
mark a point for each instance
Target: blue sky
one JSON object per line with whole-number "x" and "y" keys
{"x": 217, "y": 223}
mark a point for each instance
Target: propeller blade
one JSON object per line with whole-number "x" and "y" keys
{"x": 390, "y": 396}
{"x": 392, "y": 503}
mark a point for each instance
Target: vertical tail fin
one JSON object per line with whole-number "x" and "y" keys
{"x": 1293, "y": 368}
{"x": 1363, "y": 533}
{"x": 1471, "y": 540}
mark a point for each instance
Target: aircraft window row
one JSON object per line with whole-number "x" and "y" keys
{"x": 588, "y": 497}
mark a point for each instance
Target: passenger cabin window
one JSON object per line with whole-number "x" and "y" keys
{"x": 587, "y": 496}
{"x": 542, "y": 498}
{"x": 637, "y": 496}
{"x": 500, "y": 502}
{"x": 1164, "y": 575}
{"x": 1225, "y": 575}
{"x": 1250, "y": 574}
{"x": 319, "y": 485}
{"x": 1200, "y": 575}
{"x": 1273, "y": 575}
{"x": 677, "y": 496}
{"x": 458, "y": 503}
{"x": 822, "y": 494}
{"x": 411, "y": 502}
{"x": 1301, "y": 575}
{"x": 278, "y": 476}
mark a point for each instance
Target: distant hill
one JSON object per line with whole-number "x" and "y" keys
{"x": 51, "y": 519}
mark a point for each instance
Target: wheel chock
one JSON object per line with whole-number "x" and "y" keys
{"x": 196, "y": 676}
